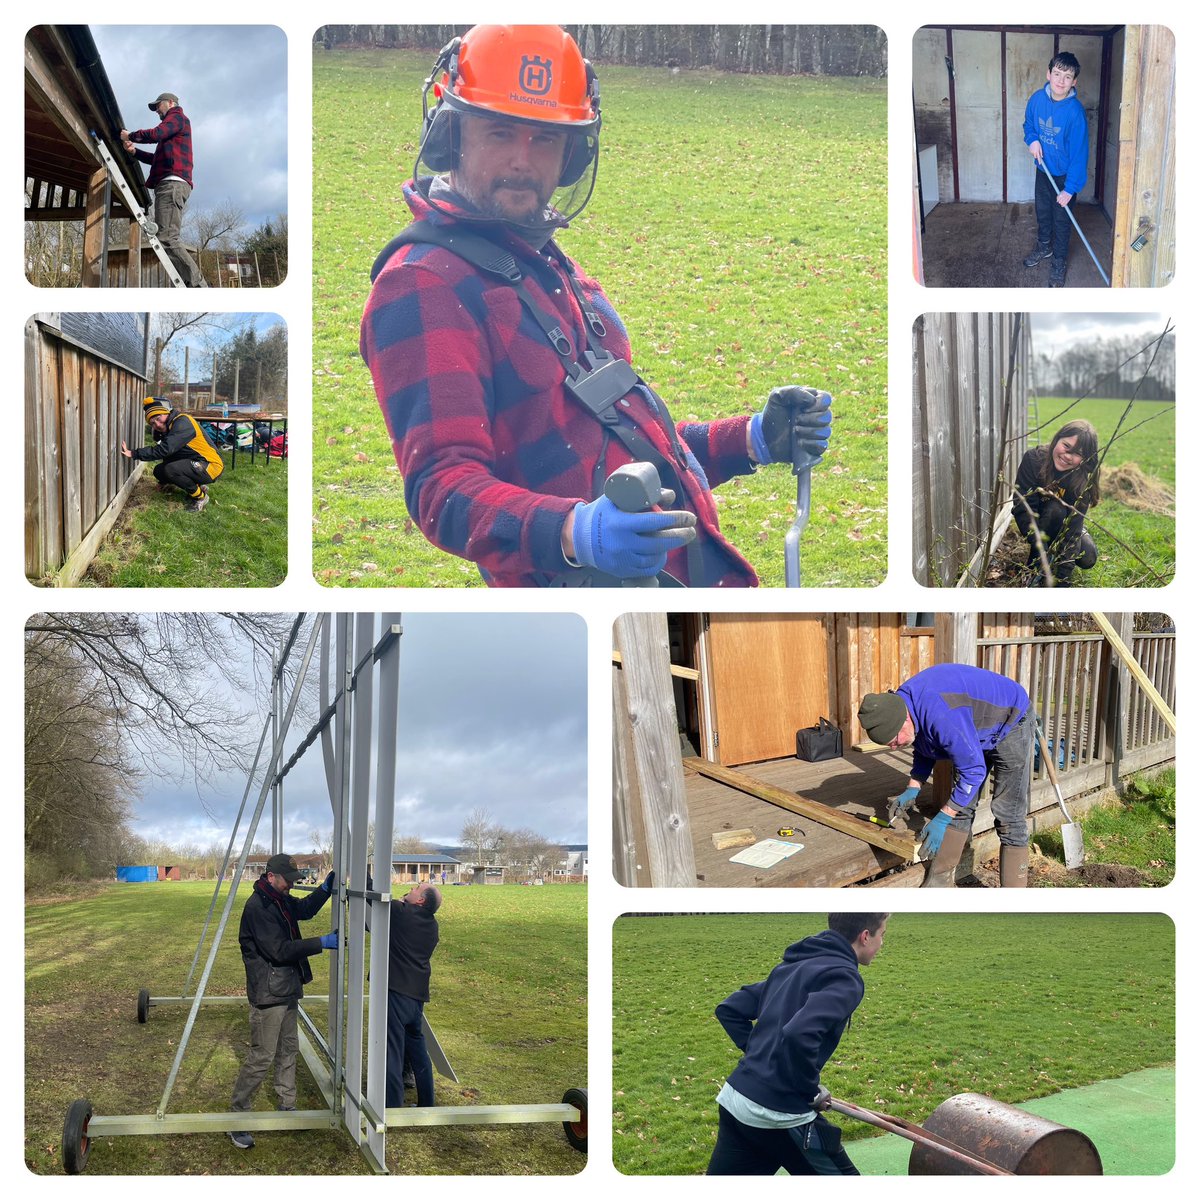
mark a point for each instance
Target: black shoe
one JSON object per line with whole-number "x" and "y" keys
{"x": 286, "y": 1108}
{"x": 243, "y": 1141}
{"x": 1040, "y": 253}
{"x": 1058, "y": 273}
{"x": 410, "y": 1080}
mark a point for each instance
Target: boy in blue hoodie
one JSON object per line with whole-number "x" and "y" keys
{"x": 1056, "y": 133}
{"x": 787, "y": 1027}
{"x": 978, "y": 721}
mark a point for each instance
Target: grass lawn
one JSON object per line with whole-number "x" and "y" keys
{"x": 1137, "y": 830}
{"x": 739, "y": 228}
{"x": 508, "y": 1005}
{"x": 1014, "y": 1006}
{"x": 1150, "y": 535}
{"x": 239, "y": 540}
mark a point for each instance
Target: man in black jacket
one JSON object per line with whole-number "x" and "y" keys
{"x": 276, "y": 959}
{"x": 182, "y": 454}
{"x": 787, "y": 1027}
{"x": 413, "y": 939}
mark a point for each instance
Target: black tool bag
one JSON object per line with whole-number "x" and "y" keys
{"x": 819, "y": 743}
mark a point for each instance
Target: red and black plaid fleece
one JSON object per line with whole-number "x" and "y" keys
{"x": 173, "y": 154}
{"x": 495, "y": 453}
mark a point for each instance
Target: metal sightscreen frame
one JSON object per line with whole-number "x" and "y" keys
{"x": 358, "y": 726}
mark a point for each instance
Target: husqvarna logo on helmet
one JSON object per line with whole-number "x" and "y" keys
{"x": 536, "y": 75}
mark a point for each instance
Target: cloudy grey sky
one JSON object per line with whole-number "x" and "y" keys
{"x": 493, "y": 714}
{"x": 231, "y": 81}
{"x": 1054, "y": 332}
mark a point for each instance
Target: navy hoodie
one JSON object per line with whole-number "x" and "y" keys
{"x": 788, "y": 1025}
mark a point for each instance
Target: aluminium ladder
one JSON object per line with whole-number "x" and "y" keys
{"x": 149, "y": 228}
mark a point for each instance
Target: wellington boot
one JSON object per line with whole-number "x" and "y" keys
{"x": 1014, "y": 866}
{"x": 945, "y": 862}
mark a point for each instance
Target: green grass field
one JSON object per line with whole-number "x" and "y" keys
{"x": 739, "y": 228}
{"x": 1013, "y": 1006}
{"x": 508, "y": 1005}
{"x": 1150, "y": 447}
{"x": 239, "y": 540}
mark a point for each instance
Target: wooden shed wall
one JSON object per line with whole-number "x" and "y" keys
{"x": 79, "y": 407}
{"x": 1145, "y": 202}
{"x": 960, "y": 365}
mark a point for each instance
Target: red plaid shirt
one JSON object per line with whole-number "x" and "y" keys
{"x": 173, "y": 154}
{"x": 495, "y": 453}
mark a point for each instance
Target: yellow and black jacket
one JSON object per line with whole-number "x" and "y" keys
{"x": 183, "y": 440}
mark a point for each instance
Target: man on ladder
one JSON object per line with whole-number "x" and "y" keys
{"x": 170, "y": 177}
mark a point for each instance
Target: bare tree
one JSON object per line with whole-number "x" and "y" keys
{"x": 410, "y": 844}
{"x": 479, "y": 833}
{"x": 218, "y": 228}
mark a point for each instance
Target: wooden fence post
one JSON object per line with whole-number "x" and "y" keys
{"x": 1119, "y": 683}
{"x": 656, "y": 765}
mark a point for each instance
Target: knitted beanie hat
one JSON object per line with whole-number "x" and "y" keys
{"x": 882, "y": 714}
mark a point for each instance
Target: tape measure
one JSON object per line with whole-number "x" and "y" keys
{"x": 785, "y": 832}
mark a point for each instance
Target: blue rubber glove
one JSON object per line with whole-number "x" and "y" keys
{"x": 329, "y": 941}
{"x": 629, "y": 545}
{"x": 328, "y": 884}
{"x": 804, "y": 409}
{"x": 931, "y": 839}
{"x": 905, "y": 798}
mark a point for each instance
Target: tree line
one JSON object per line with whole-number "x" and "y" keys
{"x": 1114, "y": 367}
{"x": 854, "y": 50}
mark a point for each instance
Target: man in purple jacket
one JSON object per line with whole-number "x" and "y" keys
{"x": 170, "y": 177}
{"x": 978, "y": 721}
{"x": 787, "y": 1027}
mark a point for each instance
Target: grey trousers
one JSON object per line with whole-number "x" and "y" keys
{"x": 169, "y": 199}
{"x": 1009, "y": 766}
{"x": 272, "y": 1039}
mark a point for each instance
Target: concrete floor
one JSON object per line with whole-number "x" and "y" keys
{"x": 983, "y": 245}
{"x": 1130, "y": 1120}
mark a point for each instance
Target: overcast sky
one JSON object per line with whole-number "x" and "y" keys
{"x": 493, "y": 714}
{"x": 232, "y": 84}
{"x": 1054, "y": 332}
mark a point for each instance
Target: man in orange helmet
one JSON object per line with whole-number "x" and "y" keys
{"x": 504, "y": 372}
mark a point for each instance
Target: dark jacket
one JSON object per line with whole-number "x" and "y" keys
{"x": 1060, "y": 527}
{"x": 173, "y": 153}
{"x": 182, "y": 440}
{"x": 494, "y": 451}
{"x": 413, "y": 933}
{"x": 275, "y": 954}
{"x": 788, "y": 1026}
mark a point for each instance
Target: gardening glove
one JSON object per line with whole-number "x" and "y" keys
{"x": 901, "y": 802}
{"x": 629, "y": 545}
{"x": 823, "y": 1099}
{"x": 802, "y": 411}
{"x": 931, "y": 839}
{"x": 328, "y": 884}
{"x": 329, "y": 941}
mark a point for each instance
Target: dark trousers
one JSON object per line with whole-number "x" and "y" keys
{"x": 1054, "y": 226}
{"x": 406, "y": 1039}
{"x": 187, "y": 474}
{"x": 812, "y": 1149}
{"x": 1009, "y": 765}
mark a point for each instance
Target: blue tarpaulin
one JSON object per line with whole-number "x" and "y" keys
{"x": 137, "y": 874}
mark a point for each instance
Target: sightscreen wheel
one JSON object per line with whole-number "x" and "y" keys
{"x": 76, "y": 1145}
{"x": 576, "y": 1131}
{"x": 143, "y": 1006}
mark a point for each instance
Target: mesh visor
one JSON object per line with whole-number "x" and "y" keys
{"x": 529, "y": 174}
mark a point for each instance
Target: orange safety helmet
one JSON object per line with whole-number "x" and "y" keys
{"x": 527, "y": 73}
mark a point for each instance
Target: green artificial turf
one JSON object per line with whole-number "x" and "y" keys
{"x": 738, "y": 226}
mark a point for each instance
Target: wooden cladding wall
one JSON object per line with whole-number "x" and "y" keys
{"x": 79, "y": 407}
{"x": 968, "y": 433}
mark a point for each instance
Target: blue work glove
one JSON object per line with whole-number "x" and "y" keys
{"x": 905, "y": 798}
{"x": 804, "y": 409}
{"x": 328, "y": 884}
{"x": 629, "y": 545}
{"x": 931, "y": 839}
{"x": 329, "y": 941}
